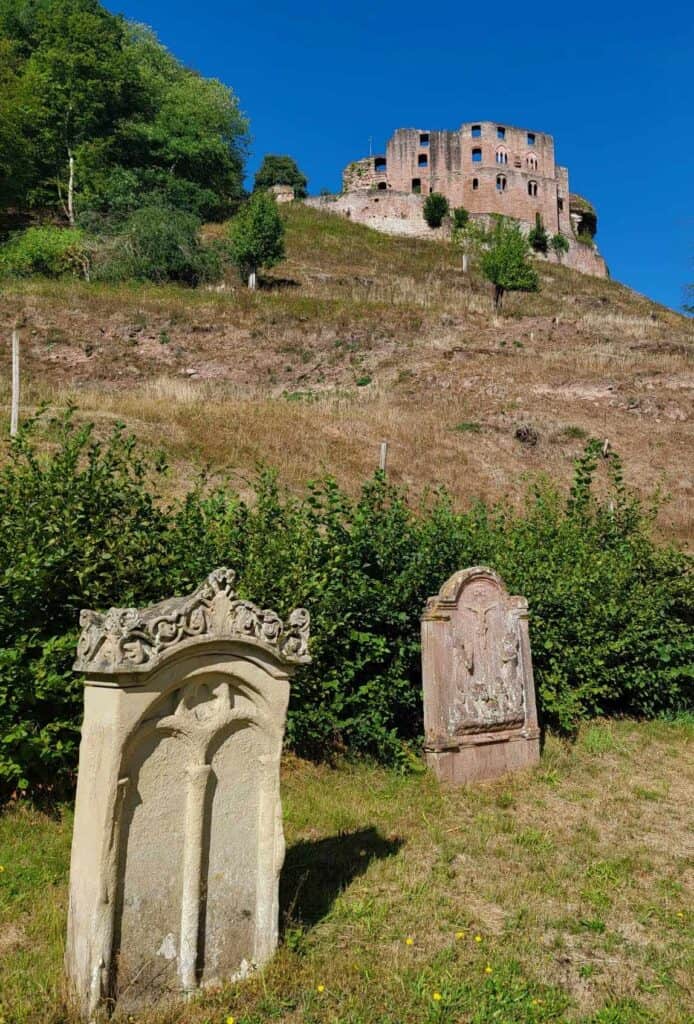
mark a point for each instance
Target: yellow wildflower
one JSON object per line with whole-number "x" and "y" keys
{"x": 478, "y": 938}
{"x": 409, "y": 941}
{"x": 460, "y": 935}
{"x": 487, "y": 969}
{"x": 2, "y": 868}
{"x": 320, "y": 988}
{"x": 229, "y": 1020}
{"x": 437, "y": 997}
{"x": 678, "y": 914}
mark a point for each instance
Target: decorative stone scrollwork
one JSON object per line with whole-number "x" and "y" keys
{"x": 127, "y": 639}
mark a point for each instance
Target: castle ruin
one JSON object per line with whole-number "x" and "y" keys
{"x": 485, "y": 167}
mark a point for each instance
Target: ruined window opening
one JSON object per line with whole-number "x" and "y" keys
{"x": 500, "y": 132}
{"x": 560, "y": 203}
{"x": 380, "y": 163}
{"x": 416, "y": 185}
{"x": 382, "y": 186}
{"x": 476, "y": 131}
{"x": 477, "y": 156}
{"x": 424, "y": 138}
{"x": 422, "y": 160}
{"x": 501, "y": 156}
{"x": 475, "y": 183}
{"x": 532, "y": 188}
{"x": 531, "y": 161}
{"x": 531, "y": 138}
{"x": 501, "y": 182}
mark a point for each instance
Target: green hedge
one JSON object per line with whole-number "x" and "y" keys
{"x": 82, "y": 526}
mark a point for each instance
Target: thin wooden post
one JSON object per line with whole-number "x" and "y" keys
{"x": 14, "y": 415}
{"x": 383, "y": 459}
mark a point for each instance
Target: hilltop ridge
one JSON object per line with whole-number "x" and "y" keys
{"x": 359, "y": 337}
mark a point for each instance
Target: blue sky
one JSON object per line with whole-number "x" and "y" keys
{"x": 612, "y": 81}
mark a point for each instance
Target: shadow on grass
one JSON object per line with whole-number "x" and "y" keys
{"x": 277, "y": 284}
{"x": 316, "y": 871}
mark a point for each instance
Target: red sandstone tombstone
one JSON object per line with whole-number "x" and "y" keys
{"x": 480, "y": 718}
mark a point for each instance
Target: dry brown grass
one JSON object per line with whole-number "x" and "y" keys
{"x": 360, "y": 338}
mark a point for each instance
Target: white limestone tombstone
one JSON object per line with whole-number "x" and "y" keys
{"x": 178, "y": 841}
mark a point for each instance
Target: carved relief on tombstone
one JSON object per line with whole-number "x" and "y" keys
{"x": 480, "y": 718}
{"x": 178, "y": 842}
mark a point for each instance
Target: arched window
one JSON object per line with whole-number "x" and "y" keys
{"x": 422, "y": 160}
{"x": 532, "y": 188}
{"x": 501, "y": 182}
{"x": 382, "y": 186}
{"x": 380, "y": 164}
{"x": 475, "y": 183}
{"x": 502, "y": 155}
{"x": 531, "y": 161}
{"x": 417, "y": 185}
{"x": 477, "y": 156}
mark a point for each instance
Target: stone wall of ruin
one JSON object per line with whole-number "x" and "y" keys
{"x": 402, "y": 214}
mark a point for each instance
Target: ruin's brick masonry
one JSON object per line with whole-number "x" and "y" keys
{"x": 484, "y": 166}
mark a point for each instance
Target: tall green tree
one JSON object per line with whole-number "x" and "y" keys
{"x": 281, "y": 170}
{"x": 256, "y": 237}
{"x": 110, "y": 117}
{"x": 506, "y": 261}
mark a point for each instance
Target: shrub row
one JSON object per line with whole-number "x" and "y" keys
{"x": 83, "y": 526}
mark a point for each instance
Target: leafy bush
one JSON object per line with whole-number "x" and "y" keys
{"x": 559, "y": 245}
{"x": 460, "y": 218}
{"x": 435, "y": 209}
{"x": 505, "y": 261}
{"x": 256, "y": 236}
{"x": 158, "y": 243}
{"x": 611, "y": 612}
{"x": 51, "y": 251}
{"x": 538, "y": 237}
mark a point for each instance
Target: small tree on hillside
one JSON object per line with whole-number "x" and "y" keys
{"x": 281, "y": 170}
{"x": 435, "y": 209}
{"x": 505, "y": 263}
{"x": 559, "y": 245}
{"x": 460, "y": 218}
{"x": 256, "y": 237}
{"x": 538, "y": 238}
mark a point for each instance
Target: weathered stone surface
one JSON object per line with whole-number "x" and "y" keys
{"x": 178, "y": 840}
{"x": 480, "y": 718}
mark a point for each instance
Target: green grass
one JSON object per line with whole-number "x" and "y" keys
{"x": 555, "y": 896}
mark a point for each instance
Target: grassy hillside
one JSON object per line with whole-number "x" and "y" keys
{"x": 359, "y": 337}
{"x": 556, "y": 896}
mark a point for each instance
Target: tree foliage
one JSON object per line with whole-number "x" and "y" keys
{"x": 435, "y": 209}
{"x": 256, "y": 235}
{"x": 505, "y": 262}
{"x": 281, "y": 170}
{"x": 559, "y": 245}
{"x": 538, "y": 237}
{"x": 81, "y": 83}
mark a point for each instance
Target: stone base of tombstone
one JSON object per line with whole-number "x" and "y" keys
{"x": 480, "y": 717}
{"x": 483, "y": 757}
{"x": 178, "y": 841}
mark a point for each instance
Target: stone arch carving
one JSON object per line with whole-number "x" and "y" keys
{"x": 175, "y": 883}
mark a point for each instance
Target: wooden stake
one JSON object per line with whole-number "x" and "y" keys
{"x": 383, "y": 457}
{"x": 14, "y": 415}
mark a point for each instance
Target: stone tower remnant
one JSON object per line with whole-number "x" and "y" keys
{"x": 480, "y": 718}
{"x": 178, "y": 841}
